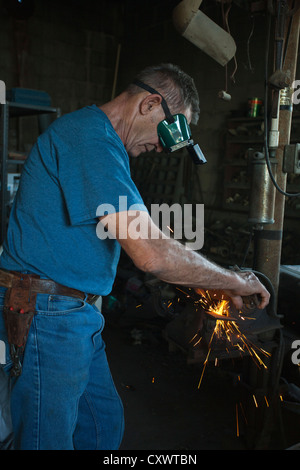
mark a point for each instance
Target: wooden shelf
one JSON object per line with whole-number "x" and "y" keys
{"x": 14, "y": 110}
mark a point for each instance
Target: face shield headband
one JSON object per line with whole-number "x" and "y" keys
{"x": 174, "y": 132}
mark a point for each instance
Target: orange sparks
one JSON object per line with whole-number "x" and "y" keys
{"x": 204, "y": 366}
{"x": 206, "y": 360}
{"x": 195, "y": 337}
{"x": 228, "y": 329}
{"x": 243, "y": 413}
{"x": 266, "y": 400}
{"x": 255, "y": 401}
{"x": 237, "y": 420}
{"x": 197, "y": 342}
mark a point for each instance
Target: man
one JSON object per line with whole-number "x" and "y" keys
{"x": 65, "y": 397}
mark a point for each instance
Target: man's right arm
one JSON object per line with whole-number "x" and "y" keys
{"x": 170, "y": 261}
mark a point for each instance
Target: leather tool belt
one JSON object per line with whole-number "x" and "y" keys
{"x": 19, "y": 307}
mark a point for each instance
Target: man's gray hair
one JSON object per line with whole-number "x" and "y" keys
{"x": 177, "y": 87}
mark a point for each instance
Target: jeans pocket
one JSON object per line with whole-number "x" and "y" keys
{"x": 59, "y": 305}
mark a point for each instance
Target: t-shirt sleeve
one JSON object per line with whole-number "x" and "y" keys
{"x": 95, "y": 180}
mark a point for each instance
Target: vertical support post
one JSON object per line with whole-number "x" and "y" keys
{"x": 269, "y": 242}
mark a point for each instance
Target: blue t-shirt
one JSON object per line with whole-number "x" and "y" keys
{"x": 76, "y": 165}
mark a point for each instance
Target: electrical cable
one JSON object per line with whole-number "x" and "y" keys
{"x": 247, "y": 248}
{"x": 266, "y": 147}
{"x": 269, "y": 287}
{"x": 248, "y": 46}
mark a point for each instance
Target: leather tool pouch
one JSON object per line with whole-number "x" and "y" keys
{"x": 18, "y": 311}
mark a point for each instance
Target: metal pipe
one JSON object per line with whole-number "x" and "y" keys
{"x": 269, "y": 241}
{"x": 261, "y": 210}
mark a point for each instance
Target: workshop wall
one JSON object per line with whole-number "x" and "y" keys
{"x": 66, "y": 48}
{"x": 157, "y": 41}
{"x": 151, "y": 38}
{"x": 69, "y": 49}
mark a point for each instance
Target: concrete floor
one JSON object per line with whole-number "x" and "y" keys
{"x": 164, "y": 409}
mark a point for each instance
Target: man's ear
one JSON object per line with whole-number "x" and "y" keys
{"x": 150, "y": 103}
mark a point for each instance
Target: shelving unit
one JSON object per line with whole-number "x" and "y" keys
{"x": 228, "y": 233}
{"x": 9, "y": 110}
{"x": 244, "y": 133}
{"x": 159, "y": 178}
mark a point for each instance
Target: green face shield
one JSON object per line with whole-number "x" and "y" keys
{"x": 176, "y": 135}
{"x": 174, "y": 132}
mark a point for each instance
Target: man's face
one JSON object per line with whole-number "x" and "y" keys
{"x": 146, "y": 138}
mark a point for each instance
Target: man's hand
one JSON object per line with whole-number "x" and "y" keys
{"x": 249, "y": 285}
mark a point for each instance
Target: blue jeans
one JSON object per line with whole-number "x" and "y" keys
{"x": 65, "y": 398}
